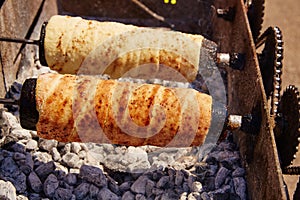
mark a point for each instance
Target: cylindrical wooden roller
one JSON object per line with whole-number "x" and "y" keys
{"x": 88, "y": 109}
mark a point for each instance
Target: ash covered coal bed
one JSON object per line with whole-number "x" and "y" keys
{"x": 35, "y": 168}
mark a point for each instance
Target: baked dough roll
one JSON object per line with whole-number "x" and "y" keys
{"x": 73, "y": 45}
{"x": 90, "y": 109}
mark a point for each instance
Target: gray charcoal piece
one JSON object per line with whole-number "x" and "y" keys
{"x": 93, "y": 191}
{"x": 82, "y": 190}
{"x": 205, "y": 196}
{"x": 72, "y": 160}
{"x": 113, "y": 186}
{"x": 35, "y": 182}
{"x": 29, "y": 160}
{"x": 10, "y": 170}
{"x": 169, "y": 195}
{"x": 93, "y": 175}
{"x": 8, "y": 166}
{"x": 149, "y": 187}
{"x": 71, "y": 179}
{"x": 221, "y": 176}
{"x": 106, "y": 194}
{"x": 19, "y": 156}
{"x": 65, "y": 185}
{"x": 163, "y": 182}
{"x": 139, "y": 186}
{"x": 6, "y": 153}
{"x": 47, "y": 145}
{"x": 8, "y": 191}
{"x": 34, "y": 196}
{"x": 191, "y": 179}
{"x": 157, "y": 191}
{"x": 185, "y": 187}
{"x": 238, "y": 172}
{"x": 50, "y": 185}
{"x": 240, "y": 187}
{"x": 125, "y": 186}
{"x": 140, "y": 197}
{"x": 26, "y": 169}
{"x": 212, "y": 170}
{"x": 209, "y": 183}
{"x": 128, "y": 196}
{"x": 18, "y": 147}
{"x": 44, "y": 170}
{"x": 18, "y": 179}
{"x": 220, "y": 194}
{"x": 62, "y": 194}
{"x": 179, "y": 178}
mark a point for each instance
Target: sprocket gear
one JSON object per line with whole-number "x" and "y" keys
{"x": 270, "y": 62}
{"x": 287, "y": 128}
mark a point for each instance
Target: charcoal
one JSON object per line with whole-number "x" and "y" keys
{"x": 34, "y": 196}
{"x": 179, "y": 178}
{"x": 240, "y": 187}
{"x": 205, "y": 196}
{"x": 82, "y": 190}
{"x": 19, "y": 156}
{"x": 125, "y": 186}
{"x": 221, "y": 176}
{"x": 105, "y": 193}
{"x": 149, "y": 187}
{"x": 113, "y": 186}
{"x": 140, "y": 197}
{"x": 163, "y": 182}
{"x": 238, "y": 172}
{"x": 71, "y": 179}
{"x": 34, "y": 182}
{"x": 128, "y": 196}
{"x": 93, "y": 191}
{"x": 55, "y": 170}
{"x": 14, "y": 92}
{"x": 50, "y": 185}
{"x": 93, "y": 175}
{"x": 62, "y": 194}
{"x": 139, "y": 186}
{"x": 44, "y": 170}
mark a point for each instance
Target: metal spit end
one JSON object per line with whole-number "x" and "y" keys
{"x": 19, "y": 40}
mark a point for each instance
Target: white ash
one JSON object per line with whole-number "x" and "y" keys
{"x": 34, "y": 168}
